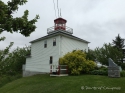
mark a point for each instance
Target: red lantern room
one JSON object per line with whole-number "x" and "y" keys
{"x": 60, "y": 24}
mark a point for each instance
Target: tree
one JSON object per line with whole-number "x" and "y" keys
{"x": 19, "y": 24}
{"x": 90, "y": 55}
{"x": 107, "y": 51}
{"x": 77, "y": 62}
{"x": 118, "y": 42}
{"x": 5, "y": 52}
{"x": 12, "y": 63}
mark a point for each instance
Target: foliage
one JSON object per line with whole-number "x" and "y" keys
{"x": 19, "y": 24}
{"x": 118, "y": 42}
{"x": 90, "y": 55}
{"x": 5, "y": 52}
{"x": 122, "y": 65}
{"x": 2, "y": 38}
{"x": 13, "y": 62}
{"x": 99, "y": 72}
{"x": 103, "y": 68}
{"x": 115, "y": 52}
{"x": 122, "y": 73}
{"x": 107, "y": 51}
{"x": 77, "y": 63}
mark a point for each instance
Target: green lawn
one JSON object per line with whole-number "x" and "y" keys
{"x": 68, "y": 84}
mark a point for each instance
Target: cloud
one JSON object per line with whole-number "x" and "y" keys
{"x": 97, "y": 21}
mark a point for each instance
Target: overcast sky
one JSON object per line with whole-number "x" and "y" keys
{"x": 97, "y": 21}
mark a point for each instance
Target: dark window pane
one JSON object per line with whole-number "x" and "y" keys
{"x": 51, "y": 60}
{"x": 45, "y": 44}
{"x": 54, "y": 42}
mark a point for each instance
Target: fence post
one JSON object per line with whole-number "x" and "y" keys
{"x": 59, "y": 70}
{"x": 67, "y": 69}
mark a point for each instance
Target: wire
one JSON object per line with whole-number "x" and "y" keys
{"x": 58, "y": 8}
{"x": 54, "y": 8}
{"x": 60, "y": 13}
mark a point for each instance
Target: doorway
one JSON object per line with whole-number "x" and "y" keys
{"x": 51, "y": 59}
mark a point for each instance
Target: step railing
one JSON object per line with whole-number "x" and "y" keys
{"x": 58, "y": 70}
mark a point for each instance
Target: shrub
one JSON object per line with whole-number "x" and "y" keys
{"x": 103, "y": 68}
{"x": 122, "y": 65}
{"x": 122, "y": 73}
{"x": 77, "y": 63}
{"x": 99, "y": 72}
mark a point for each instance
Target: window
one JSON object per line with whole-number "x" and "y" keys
{"x": 54, "y": 42}
{"x": 45, "y": 44}
{"x": 51, "y": 60}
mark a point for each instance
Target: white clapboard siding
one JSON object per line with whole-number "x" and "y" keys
{"x": 69, "y": 44}
{"x": 40, "y": 56}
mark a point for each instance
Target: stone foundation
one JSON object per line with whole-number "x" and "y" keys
{"x": 31, "y": 73}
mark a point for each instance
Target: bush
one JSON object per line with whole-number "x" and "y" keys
{"x": 103, "y": 68}
{"x": 99, "y": 72}
{"x": 122, "y": 65}
{"x": 122, "y": 73}
{"x": 77, "y": 63}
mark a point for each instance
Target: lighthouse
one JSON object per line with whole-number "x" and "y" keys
{"x": 47, "y": 50}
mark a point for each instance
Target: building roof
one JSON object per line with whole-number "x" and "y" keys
{"x": 63, "y": 33}
{"x": 60, "y": 19}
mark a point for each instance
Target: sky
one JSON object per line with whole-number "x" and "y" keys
{"x": 97, "y": 21}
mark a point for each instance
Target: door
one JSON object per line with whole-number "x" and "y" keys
{"x": 51, "y": 59}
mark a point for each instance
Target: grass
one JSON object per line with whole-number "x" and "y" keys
{"x": 4, "y": 79}
{"x": 69, "y": 84}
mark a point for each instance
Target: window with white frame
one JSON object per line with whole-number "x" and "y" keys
{"x": 45, "y": 44}
{"x": 54, "y": 42}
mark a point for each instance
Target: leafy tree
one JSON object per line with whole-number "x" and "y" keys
{"x": 118, "y": 42}
{"x": 77, "y": 63}
{"x": 90, "y": 55}
{"x": 107, "y": 51}
{"x": 5, "y": 52}
{"x": 19, "y": 24}
{"x": 13, "y": 61}
{"x": 10, "y": 62}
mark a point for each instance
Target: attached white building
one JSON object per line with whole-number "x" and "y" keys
{"x": 48, "y": 49}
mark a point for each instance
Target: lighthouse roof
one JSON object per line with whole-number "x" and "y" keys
{"x": 62, "y": 33}
{"x": 60, "y": 19}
